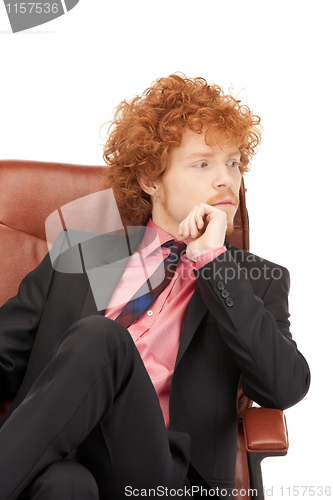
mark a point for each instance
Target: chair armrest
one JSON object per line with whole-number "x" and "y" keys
{"x": 265, "y": 435}
{"x": 265, "y": 430}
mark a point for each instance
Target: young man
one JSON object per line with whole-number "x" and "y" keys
{"x": 146, "y": 396}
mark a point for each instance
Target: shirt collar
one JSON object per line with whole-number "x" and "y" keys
{"x": 155, "y": 237}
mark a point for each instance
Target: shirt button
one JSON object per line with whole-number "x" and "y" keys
{"x": 150, "y": 312}
{"x": 220, "y": 285}
{"x": 225, "y": 294}
{"x": 229, "y": 302}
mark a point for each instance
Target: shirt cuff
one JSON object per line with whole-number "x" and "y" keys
{"x": 204, "y": 258}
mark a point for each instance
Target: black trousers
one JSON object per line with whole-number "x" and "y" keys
{"x": 63, "y": 480}
{"x": 95, "y": 393}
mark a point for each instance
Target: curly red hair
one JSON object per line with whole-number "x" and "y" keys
{"x": 145, "y": 129}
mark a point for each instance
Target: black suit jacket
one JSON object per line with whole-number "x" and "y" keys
{"x": 236, "y": 327}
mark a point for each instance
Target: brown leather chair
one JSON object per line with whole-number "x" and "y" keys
{"x": 29, "y": 192}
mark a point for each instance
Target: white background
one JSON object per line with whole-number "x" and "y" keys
{"x": 60, "y": 82}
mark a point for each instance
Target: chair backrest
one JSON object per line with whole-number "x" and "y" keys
{"x": 30, "y": 192}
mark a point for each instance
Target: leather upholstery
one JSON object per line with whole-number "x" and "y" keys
{"x": 30, "y": 192}
{"x": 265, "y": 430}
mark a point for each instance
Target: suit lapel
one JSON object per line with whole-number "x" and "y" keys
{"x": 110, "y": 255}
{"x": 195, "y": 312}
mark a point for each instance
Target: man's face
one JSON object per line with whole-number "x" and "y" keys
{"x": 197, "y": 173}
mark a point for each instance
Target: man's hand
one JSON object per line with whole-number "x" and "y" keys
{"x": 206, "y": 225}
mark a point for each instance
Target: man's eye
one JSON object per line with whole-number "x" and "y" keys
{"x": 201, "y": 164}
{"x": 233, "y": 164}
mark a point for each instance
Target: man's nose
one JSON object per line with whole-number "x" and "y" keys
{"x": 223, "y": 178}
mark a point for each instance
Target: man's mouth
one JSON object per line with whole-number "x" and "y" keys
{"x": 224, "y": 200}
{"x": 227, "y": 202}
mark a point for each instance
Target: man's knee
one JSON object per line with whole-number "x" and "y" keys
{"x": 97, "y": 335}
{"x": 65, "y": 480}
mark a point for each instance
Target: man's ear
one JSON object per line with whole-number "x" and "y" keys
{"x": 148, "y": 186}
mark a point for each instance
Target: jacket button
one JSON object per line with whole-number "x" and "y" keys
{"x": 220, "y": 285}
{"x": 229, "y": 302}
{"x": 225, "y": 294}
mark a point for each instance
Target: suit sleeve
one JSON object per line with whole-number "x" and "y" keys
{"x": 256, "y": 328}
{"x": 19, "y": 320}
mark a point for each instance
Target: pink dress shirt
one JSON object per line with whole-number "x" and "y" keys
{"x": 157, "y": 331}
